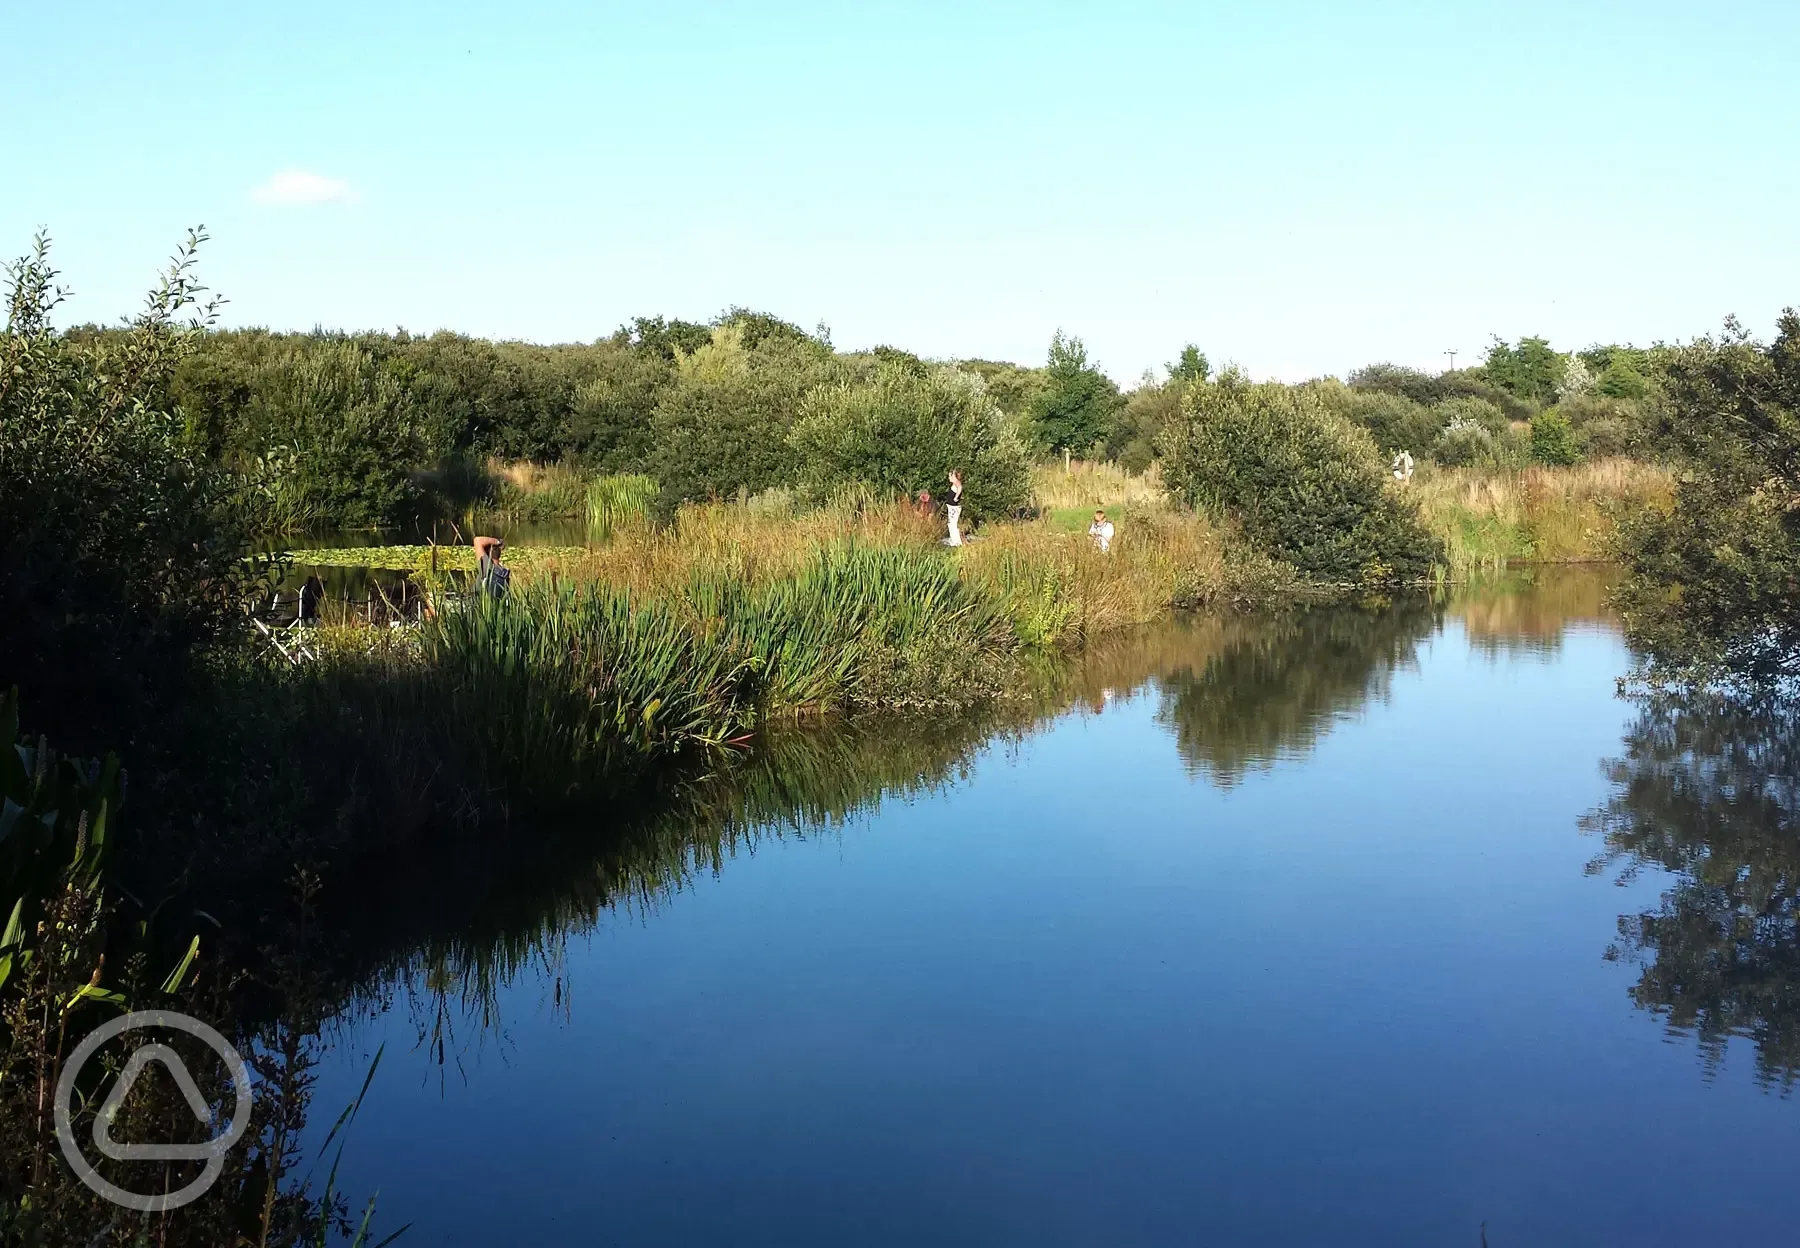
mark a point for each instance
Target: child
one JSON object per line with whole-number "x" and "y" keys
{"x": 1101, "y": 530}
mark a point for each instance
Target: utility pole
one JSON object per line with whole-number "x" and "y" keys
{"x": 1452, "y": 356}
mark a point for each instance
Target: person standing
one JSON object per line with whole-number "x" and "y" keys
{"x": 1101, "y": 530}
{"x": 953, "y": 507}
{"x": 491, "y": 575}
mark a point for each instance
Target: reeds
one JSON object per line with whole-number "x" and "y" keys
{"x": 1490, "y": 520}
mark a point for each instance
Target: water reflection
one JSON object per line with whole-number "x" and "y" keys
{"x": 1529, "y": 613}
{"x": 1271, "y": 690}
{"x": 1708, "y": 789}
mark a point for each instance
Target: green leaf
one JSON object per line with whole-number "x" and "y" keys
{"x": 173, "y": 983}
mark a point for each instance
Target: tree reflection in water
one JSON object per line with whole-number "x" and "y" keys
{"x": 1273, "y": 688}
{"x": 1708, "y": 789}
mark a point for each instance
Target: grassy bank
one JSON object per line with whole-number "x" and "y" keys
{"x": 1489, "y": 520}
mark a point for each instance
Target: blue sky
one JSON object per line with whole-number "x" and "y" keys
{"x": 1299, "y": 187}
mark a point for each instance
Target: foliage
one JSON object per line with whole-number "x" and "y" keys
{"x": 1013, "y": 387}
{"x": 1132, "y": 440}
{"x": 1305, "y": 484}
{"x": 1395, "y": 422}
{"x": 120, "y": 542}
{"x": 1075, "y": 409}
{"x": 1705, "y": 792}
{"x": 1716, "y": 579}
{"x": 1491, "y": 518}
{"x": 721, "y": 430}
{"x": 616, "y": 501}
{"x": 1529, "y": 370}
{"x": 1192, "y": 366}
{"x": 338, "y": 437}
{"x": 1395, "y": 379}
{"x": 1553, "y": 439}
{"x": 903, "y": 431}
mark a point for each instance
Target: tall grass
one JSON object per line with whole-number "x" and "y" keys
{"x": 1490, "y": 519}
{"x": 616, "y": 501}
{"x": 1086, "y": 484}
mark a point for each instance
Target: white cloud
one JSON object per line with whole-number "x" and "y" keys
{"x": 297, "y": 186}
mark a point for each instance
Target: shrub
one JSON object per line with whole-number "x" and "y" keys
{"x": 1395, "y": 423}
{"x": 1716, "y": 579}
{"x": 1304, "y": 483}
{"x": 1464, "y": 443}
{"x": 120, "y": 544}
{"x": 722, "y": 429}
{"x": 1408, "y": 383}
{"x": 1482, "y": 412}
{"x": 1553, "y": 439}
{"x": 903, "y": 431}
{"x": 335, "y": 438}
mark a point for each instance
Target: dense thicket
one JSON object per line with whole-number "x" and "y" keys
{"x": 120, "y": 542}
{"x": 898, "y": 432}
{"x": 1717, "y": 579}
{"x": 1301, "y": 481}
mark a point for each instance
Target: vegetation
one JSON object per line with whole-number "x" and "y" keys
{"x": 1490, "y": 520}
{"x": 1716, "y": 577}
{"x": 900, "y": 432}
{"x": 1074, "y": 409}
{"x": 1303, "y": 482}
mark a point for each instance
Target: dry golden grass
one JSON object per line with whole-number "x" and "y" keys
{"x": 1087, "y": 484}
{"x": 1057, "y": 588}
{"x": 1540, "y": 515}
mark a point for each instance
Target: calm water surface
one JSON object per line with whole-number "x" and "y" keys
{"x": 1370, "y": 927}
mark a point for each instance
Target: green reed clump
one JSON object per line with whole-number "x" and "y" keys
{"x": 616, "y": 501}
{"x": 582, "y": 684}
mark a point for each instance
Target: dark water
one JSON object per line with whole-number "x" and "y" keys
{"x": 1367, "y": 927}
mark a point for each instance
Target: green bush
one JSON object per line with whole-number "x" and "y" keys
{"x": 1715, "y": 583}
{"x": 1395, "y": 422}
{"x": 721, "y": 431}
{"x": 1553, "y": 439}
{"x": 121, "y": 544}
{"x": 1464, "y": 443}
{"x": 335, "y": 438}
{"x": 1303, "y": 482}
{"x": 903, "y": 431}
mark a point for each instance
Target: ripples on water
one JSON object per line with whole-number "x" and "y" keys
{"x": 1363, "y": 926}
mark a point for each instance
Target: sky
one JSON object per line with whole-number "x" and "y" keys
{"x": 1299, "y": 188}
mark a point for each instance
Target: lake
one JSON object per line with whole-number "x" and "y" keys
{"x": 1366, "y": 926}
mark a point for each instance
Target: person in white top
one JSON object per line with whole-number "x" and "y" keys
{"x": 953, "y": 508}
{"x": 1101, "y": 530}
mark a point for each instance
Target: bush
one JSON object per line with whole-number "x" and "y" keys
{"x": 1395, "y": 423}
{"x": 1304, "y": 483}
{"x": 903, "y": 431}
{"x": 722, "y": 429}
{"x": 1553, "y": 439}
{"x": 120, "y": 544}
{"x": 1464, "y": 443}
{"x": 1473, "y": 410}
{"x": 1715, "y": 581}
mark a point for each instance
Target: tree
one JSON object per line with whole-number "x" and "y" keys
{"x": 1714, "y": 582}
{"x": 121, "y": 545}
{"x": 1076, "y": 406}
{"x": 1553, "y": 439}
{"x": 1193, "y": 366}
{"x": 1705, "y": 791}
{"x": 1530, "y": 371}
{"x": 722, "y": 428}
{"x": 1303, "y": 482}
{"x": 903, "y": 431}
